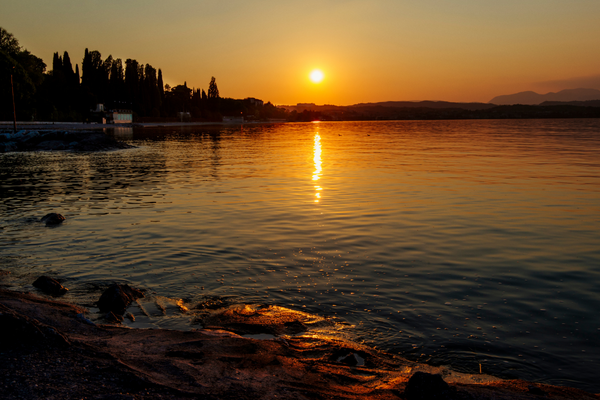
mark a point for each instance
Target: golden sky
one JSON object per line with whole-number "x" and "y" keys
{"x": 369, "y": 50}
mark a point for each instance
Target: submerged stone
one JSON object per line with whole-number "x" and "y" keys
{"x": 53, "y": 219}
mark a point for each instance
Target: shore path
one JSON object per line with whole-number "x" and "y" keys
{"x": 87, "y": 126}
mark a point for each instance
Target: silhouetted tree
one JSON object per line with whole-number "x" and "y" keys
{"x": 8, "y": 43}
{"x": 28, "y": 73}
{"x": 213, "y": 90}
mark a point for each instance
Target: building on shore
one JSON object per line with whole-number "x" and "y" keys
{"x": 254, "y": 102}
{"x": 117, "y": 116}
{"x": 120, "y": 117}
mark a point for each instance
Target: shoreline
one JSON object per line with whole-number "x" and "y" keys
{"x": 51, "y": 350}
{"x": 93, "y": 126}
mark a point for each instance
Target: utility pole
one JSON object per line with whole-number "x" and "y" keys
{"x": 12, "y": 88}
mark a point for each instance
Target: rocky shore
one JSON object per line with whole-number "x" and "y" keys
{"x": 51, "y": 350}
{"x": 47, "y": 140}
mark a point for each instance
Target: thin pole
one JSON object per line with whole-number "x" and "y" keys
{"x": 12, "y": 88}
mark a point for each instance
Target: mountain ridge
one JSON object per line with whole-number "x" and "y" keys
{"x": 533, "y": 98}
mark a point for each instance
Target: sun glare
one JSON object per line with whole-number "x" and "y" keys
{"x": 316, "y": 76}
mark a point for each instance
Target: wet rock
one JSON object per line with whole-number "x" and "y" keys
{"x": 112, "y": 317}
{"x": 53, "y": 219}
{"x": 536, "y": 390}
{"x": 50, "y": 286}
{"x": 50, "y": 145}
{"x": 8, "y": 147}
{"x": 253, "y": 319}
{"x": 424, "y": 386}
{"x": 80, "y": 317}
{"x": 117, "y": 298}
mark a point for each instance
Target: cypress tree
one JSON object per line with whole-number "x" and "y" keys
{"x": 161, "y": 87}
{"x": 57, "y": 63}
{"x": 67, "y": 67}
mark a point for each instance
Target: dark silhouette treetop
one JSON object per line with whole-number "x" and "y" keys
{"x": 8, "y": 43}
{"x": 213, "y": 90}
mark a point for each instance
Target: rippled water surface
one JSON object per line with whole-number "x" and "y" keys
{"x": 463, "y": 243}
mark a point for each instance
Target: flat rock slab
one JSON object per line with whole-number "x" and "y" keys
{"x": 102, "y": 361}
{"x": 257, "y": 319}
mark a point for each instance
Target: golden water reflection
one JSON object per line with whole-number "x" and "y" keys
{"x": 318, "y": 169}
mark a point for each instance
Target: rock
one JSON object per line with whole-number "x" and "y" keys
{"x": 50, "y": 145}
{"x": 117, "y": 298}
{"x": 112, "y": 317}
{"x": 424, "y": 386}
{"x": 536, "y": 390}
{"x": 82, "y": 318}
{"x": 53, "y": 219}
{"x": 21, "y": 331}
{"x": 8, "y": 147}
{"x": 50, "y": 286}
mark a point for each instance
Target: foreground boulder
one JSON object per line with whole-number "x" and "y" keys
{"x": 50, "y": 286}
{"x": 53, "y": 219}
{"x": 424, "y": 386}
{"x": 117, "y": 298}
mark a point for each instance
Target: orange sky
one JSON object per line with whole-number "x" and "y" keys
{"x": 369, "y": 50}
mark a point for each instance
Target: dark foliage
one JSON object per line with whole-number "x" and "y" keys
{"x": 65, "y": 94}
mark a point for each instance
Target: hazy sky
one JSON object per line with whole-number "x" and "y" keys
{"x": 369, "y": 50}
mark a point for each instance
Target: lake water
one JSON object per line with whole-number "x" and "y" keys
{"x": 461, "y": 243}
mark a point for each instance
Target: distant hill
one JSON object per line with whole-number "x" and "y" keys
{"x": 426, "y": 104}
{"x": 391, "y": 104}
{"x": 533, "y": 98}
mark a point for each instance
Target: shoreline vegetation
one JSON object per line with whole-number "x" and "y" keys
{"x": 51, "y": 350}
{"x": 69, "y": 94}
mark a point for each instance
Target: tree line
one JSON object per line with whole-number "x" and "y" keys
{"x": 66, "y": 93}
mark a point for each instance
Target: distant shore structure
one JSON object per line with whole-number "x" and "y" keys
{"x": 117, "y": 116}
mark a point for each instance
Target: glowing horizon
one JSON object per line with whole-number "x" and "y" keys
{"x": 375, "y": 50}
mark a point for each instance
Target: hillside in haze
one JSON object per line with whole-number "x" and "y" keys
{"x": 427, "y": 104}
{"x": 533, "y": 98}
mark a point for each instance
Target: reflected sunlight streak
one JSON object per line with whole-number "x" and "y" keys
{"x": 317, "y": 161}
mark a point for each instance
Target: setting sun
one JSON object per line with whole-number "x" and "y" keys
{"x": 316, "y": 76}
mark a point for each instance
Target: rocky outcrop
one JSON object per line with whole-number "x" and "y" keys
{"x": 117, "y": 298}
{"x": 58, "y": 140}
{"x": 103, "y": 361}
{"x": 50, "y": 286}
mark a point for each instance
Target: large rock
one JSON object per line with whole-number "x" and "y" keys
{"x": 424, "y": 386}
{"x": 50, "y": 286}
{"x": 117, "y": 298}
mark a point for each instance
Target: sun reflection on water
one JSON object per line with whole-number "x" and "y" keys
{"x": 317, "y": 161}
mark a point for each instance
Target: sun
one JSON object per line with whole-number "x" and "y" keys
{"x": 316, "y": 76}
